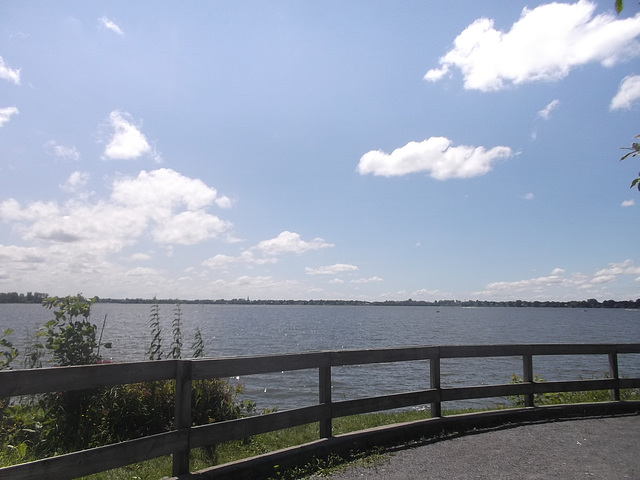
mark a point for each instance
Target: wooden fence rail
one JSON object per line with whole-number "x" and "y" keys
{"x": 186, "y": 437}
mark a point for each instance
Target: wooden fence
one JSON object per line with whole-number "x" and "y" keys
{"x": 185, "y": 436}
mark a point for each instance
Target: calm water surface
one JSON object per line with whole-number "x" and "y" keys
{"x": 238, "y": 330}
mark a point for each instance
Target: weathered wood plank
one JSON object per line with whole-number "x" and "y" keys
{"x": 324, "y": 398}
{"x": 629, "y": 383}
{"x": 434, "y": 384}
{"x": 182, "y": 415}
{"x": 246, "y": 427}
{"x": 99, "y": 459}
{"x": 59, "y": 379}
{"x": 574, "y": 385}
{"x": 229, "y": 367}
{"x": 358, "y": 406}
{"x": 509, "y": 389}
{"x": 385, "y": 355}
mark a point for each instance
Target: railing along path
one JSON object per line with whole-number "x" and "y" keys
{"x": 185, "y": 437}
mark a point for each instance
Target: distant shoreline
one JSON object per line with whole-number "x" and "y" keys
{"x": 18, "y": 298}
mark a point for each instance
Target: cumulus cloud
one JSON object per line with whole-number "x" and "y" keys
{"x": 8, "y": 73}
{"x": 435, "y": 155}
{"x": 168, "y": 206}
{"x": 621, "y": 268}
{"x": 331, "y": 269}
{"x": 628, "y": 203}
{"x": 267, "y": 251}
{"x": 126, "y": 141}
{"x": 221, "y": 261}
{"x": 544, "y": 44}
{"x": 290, "y": 242}
{"x": 88, "y": 242}
{"x": 5, "y": 114}
{"x": 110, "y": 25}
{"x": 628, "y": 93}
{"x": 558, "y": 279}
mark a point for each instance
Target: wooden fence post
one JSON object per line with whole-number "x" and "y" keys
{"x": 182, "y": 416}
{"x": 527, "y": 377}
{"x": 434, "y": 383}
{"x": 324, "y": 384}
{"x": 614, "y": 394}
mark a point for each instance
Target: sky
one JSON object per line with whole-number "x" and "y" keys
{"x": 320, "y": 150}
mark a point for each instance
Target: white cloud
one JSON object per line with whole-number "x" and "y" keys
{"x": 160, "y": 194}
{"x": 163, "y": 203}
{"x": 545, "y": 113}
{"x": 68, "y": 246}
{"x": 268, "y": 250}
{"x": 5, "y": 114}
{"x": 221, "y": 261}
{"x": 126, "y": 141}
{"x": 543, "y": 45}
{"x": 140, "y": 257}
{"x": 331, "y": 269}
{"x": 528, "y": 196}
{"x": 12, "y": 253}
{"x": 435, "y": 155}
{"x": 559, "y": 280}
{"x": 61, "y": 151}
{"x": 189, "y": 228}
{"x": 76, "y": 181}
{"x": 290, "y": 242}
{"x": 628, "y": 93}
{"x": 110, "y": 25}
{"x": 367, "y": 280}
{"x": 622, "y": 268}
{"x": 142, "y": 272}
{"x": 628, "y": 203}
{"x": 8, "y": 73}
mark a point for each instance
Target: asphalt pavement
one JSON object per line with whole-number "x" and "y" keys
{"x": 599, "y": 448}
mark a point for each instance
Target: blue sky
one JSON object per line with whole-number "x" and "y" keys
{"x": 319, "y": 150}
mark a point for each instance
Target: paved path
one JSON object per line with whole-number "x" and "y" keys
{"x": 594, "y": 448}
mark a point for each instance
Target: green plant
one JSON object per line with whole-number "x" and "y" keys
{"x": 176, "y": 345}
{"x": 634, "y": 151}
{"x": 155, "y": 346}
{"x": 70, "y": 336}
{"x": 198, "y": 345}
{"x": 33, "y": 350}
{"x": 8, "y": 352}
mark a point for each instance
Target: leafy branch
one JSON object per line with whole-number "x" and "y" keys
{"x": 634, "y": 151}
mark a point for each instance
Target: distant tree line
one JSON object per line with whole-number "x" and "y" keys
{"x": 30, "y": 297}
{"x": 36, "y": 297}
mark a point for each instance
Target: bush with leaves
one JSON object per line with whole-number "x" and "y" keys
{"x": 70, "y": 336}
